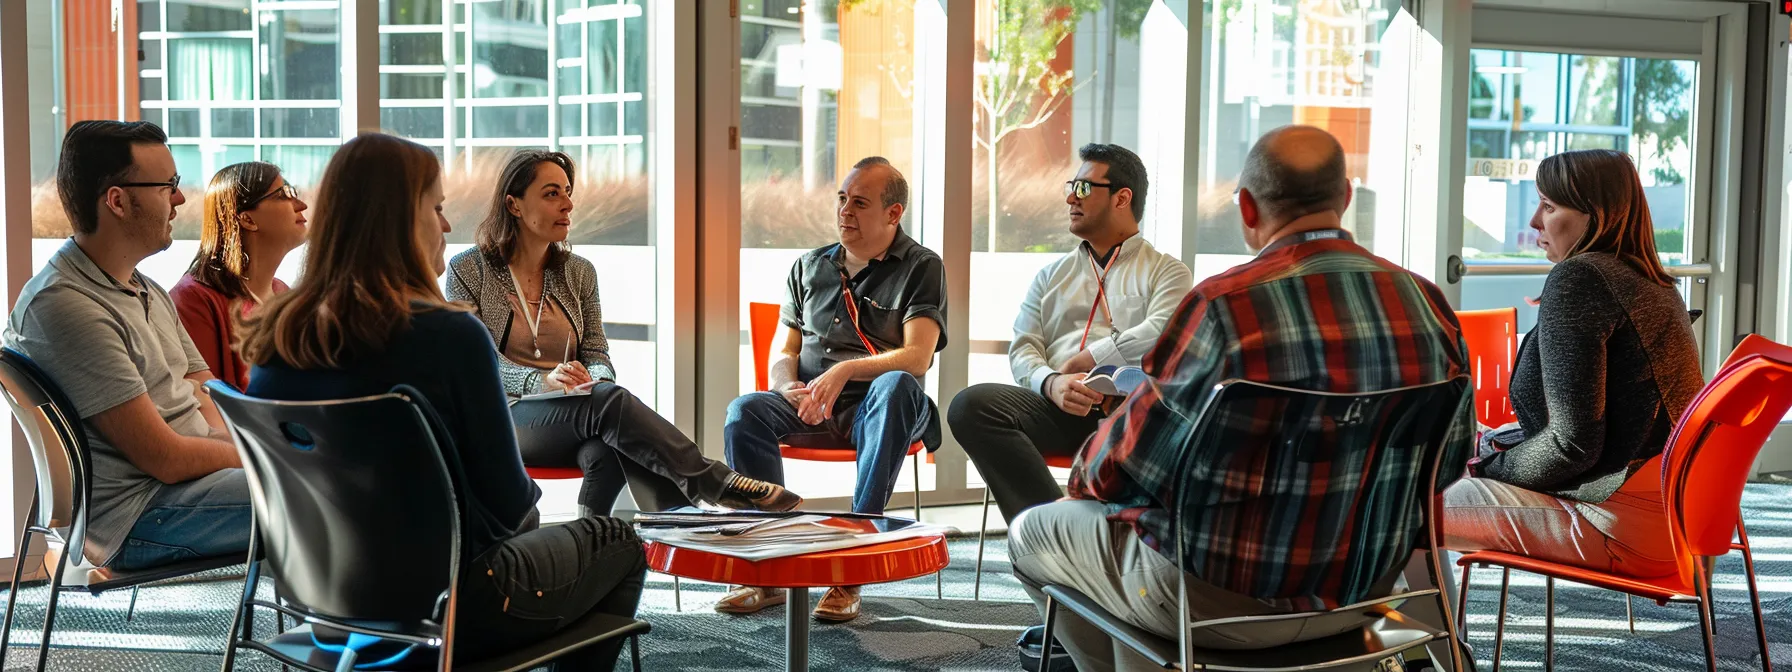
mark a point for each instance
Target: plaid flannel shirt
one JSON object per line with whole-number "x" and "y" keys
{"x": 1314, "y": 311}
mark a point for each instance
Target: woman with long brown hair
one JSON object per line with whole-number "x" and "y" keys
{"x": 371, "y": 316}
{"x": 539, "y": 303}
{"x": 1598, "y": 387}
{"x": 252, "y": 219}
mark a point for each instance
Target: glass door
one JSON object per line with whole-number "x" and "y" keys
{"x": 1544, "y": 82}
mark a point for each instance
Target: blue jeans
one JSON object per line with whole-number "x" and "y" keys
{"x": 892, "y": 416}
{"x": 204, "y": 517}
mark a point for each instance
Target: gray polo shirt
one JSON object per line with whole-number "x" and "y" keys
{"x": 105, "y": 343}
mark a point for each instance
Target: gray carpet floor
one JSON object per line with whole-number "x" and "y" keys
{"x": 180, "y": 627}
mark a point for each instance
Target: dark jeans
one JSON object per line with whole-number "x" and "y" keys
{"x": 532, "y": 585}
{"x": 612, "y": 436}
{"x": 1008, "y": 431}
{"x": 204, "y": 517}
{"x": 891, "y": 417}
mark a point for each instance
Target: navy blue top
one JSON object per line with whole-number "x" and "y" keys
{"x": 449, "y": 357}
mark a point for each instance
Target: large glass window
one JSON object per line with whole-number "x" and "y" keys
{"x": 229, "y": 80}
{"x": 823, "y": 84}
{"x": 1340, "y": 66}
{"x": 570, "y": 75}
{"x": 1046, "y": 85}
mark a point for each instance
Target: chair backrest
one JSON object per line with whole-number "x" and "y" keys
{"x": 763, "y": 327}
{"x": 1248, "y": 521}
{"x": 354, "y": 505}
{"x": 1713, "y": 448}
{"x": 58, "y": 444}
{"x": 1756, "y": 344}
{"x": 1492, "y": 337}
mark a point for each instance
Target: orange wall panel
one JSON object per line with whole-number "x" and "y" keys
{"x": 90, "y": 61}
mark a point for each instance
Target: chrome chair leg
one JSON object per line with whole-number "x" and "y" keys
{"x": 982, "y": 536}
{"x": 1462, "y": 604}
{"x": 677, "y": 595}
{"x": 43, "y": 647}
{"x": 1045, "y": 641}
{"x": 1630, "y": 612}
{"x": 1549, "y": 624}
{"x": 18, "y": 573}
{"x": 1701, "y": 581}
{"x": 1754, "y": 595}
{"x": 1499, "y": 630}
{"x": 130, "y": 612}
{"x": 939, "y": 577}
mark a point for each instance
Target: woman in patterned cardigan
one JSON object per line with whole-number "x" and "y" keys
{"x": 539, "y": 301}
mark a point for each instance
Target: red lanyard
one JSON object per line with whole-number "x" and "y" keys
{"x": 1101, "y": 295}
{"x": 852, "y": 312}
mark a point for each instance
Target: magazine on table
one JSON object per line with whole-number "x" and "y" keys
{"x": 754, "y": 535}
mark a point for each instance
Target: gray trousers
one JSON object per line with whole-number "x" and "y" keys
{"x": 1073, "y": 544}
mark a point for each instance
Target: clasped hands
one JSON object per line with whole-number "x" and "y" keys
{"x": 814, "y": 400}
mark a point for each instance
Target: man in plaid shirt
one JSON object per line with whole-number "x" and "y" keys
{"x": 1313, "y": 311}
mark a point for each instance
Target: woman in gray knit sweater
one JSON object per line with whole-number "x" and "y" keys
{"x": 1598, "y": 387}
{"x": 539, "y": 301}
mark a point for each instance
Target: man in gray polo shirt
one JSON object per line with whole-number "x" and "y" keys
{"x": 167, "y": 483}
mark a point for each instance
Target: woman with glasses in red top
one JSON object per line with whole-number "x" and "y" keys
{"x": 253, "y": 217}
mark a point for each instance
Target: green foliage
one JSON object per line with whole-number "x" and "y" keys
{"x": 1658, "y": 101}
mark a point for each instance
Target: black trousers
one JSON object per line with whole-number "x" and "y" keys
{"x": 1008, "y": 431}
{"x": 530, "y": 586}
{"x": 613, "y": 437}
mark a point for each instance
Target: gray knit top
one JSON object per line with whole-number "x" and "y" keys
{"x": 1600, "y": 382}
{"x": 472, "y": 278}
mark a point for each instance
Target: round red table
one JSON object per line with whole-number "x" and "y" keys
{"x": 880, "y": 563}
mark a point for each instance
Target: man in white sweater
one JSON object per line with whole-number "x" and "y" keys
{"x": 1104, "y": 303}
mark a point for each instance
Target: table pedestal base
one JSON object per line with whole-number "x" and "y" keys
{"x": 796, "y": 630}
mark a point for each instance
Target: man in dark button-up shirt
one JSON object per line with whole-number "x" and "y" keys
{"x": 862, "y": 322}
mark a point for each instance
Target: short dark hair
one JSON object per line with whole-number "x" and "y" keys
{"x": 1125, "y": 171}
{"x": 95, "y": 156}
{"x": 1285, "y": 190}
{"x": 895, "y": 190}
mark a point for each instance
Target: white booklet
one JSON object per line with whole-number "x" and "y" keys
{"x": 580, "y": 391}
{"x": 1115, "y": 381}
{"x": 788, "y": 536}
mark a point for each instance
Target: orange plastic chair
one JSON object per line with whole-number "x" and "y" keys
{"x": 1703, "y": 470}
{"x": 1492, "y": 337}
{"x": 762, "y": 327}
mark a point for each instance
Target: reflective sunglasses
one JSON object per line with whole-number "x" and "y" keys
{"x": 1082, "y": 188}
{"x": 286, "y": 191}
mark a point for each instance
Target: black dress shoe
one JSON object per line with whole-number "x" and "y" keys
{"x": 1029, "y": 651}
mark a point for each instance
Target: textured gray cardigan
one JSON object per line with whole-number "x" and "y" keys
{"x": 472, "y": 278}
{"x": 1600, "y": 382}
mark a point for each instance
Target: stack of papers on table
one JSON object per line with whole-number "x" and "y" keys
{"x": 756, "y": 536}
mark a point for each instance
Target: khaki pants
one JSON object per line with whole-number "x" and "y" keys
{"x": 1626, "y": 534}
{"x": 1072, "y": 544}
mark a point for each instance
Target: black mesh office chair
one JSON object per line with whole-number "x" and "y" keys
{"x": 59, "y": 510}
{"x": 372, "y": 482}
{"x": 1292, "y": 431}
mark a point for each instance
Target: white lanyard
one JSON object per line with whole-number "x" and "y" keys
{"x": 533, "y": 322}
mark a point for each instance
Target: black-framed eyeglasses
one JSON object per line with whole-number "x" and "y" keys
{"x": 285, "y": 192}
{"x": 171, "y": 185}
{"x": 1082, "y": 188}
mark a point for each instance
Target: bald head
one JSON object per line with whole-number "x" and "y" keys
{"x": 1295, "y": 171}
